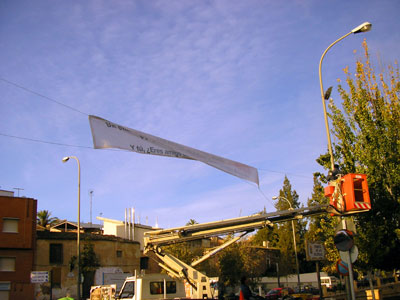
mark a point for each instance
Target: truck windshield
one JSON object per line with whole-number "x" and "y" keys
{"x": 128, "y": 290}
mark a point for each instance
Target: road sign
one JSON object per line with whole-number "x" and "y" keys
{"x": 39, "y": 276}
{"x": 342, "y": 268}
{"x": 353, "y": 254}
{"x": 315, "y": 251}
{"x": 344, "y": 240}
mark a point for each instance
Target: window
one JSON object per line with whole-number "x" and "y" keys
{"x": 56, "y": 254}
{"x": 119, "y": 253}
{"x": 144, "y": 263}
{"x": 10, "y": 225}
{"x": 7, "y": 264}
{"x": 157, "y": 288}
{"x": 5, "y": 287}
{"x": 128, "y": 290}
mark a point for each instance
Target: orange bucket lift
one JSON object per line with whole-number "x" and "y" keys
{"x": 349, "y": 193}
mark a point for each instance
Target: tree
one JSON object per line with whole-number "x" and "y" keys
{"x": 89, "y": 264}
{"x": 253, "y": 258}
{"x": 191, "y": 222}
{"x": 322, "y": 228}
{"x": 289, "y": 198}
{"x": 190, "y": 251}
{"x": 366, "y": 135}
{"x": 231, "y": 265}
{"x": 44, "y": 219}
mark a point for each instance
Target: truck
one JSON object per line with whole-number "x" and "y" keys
{"x": 329, "y": 281}
{"x": 161, "y": 286}
{"x": 144, "y": 286}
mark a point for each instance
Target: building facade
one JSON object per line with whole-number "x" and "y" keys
{"x": 56, "y": 253}
{"x": 17, "y": 246}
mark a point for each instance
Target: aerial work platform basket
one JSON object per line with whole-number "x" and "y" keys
{"x": 349, "y": 193}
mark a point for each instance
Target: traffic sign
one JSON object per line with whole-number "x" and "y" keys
{"x": 353, "y": 254}
{"x": 342, "y": 268}
{"x": 39, "y": 276}
{"x": 344, "y": 240}
{"x": 315, "y": 251}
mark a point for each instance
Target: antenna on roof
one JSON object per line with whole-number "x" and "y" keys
{"x": 18, "y": 189}
{"x": 91, "y": 194}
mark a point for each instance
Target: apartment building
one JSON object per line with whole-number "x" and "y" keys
{"x": 17, "y": 246}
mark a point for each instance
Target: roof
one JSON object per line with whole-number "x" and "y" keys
{"x": 49, "y": 235}
{"x": 118, "y": 222}
{"x": 74, "y": 225}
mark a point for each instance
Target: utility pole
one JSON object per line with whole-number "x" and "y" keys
{"x": 18, "y": 189}
{"x": 91, "y": 194}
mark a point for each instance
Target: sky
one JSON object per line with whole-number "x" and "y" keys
{"x": 238, "y": 79}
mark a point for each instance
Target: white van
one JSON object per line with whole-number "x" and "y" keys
{"x": 329, "y": 281}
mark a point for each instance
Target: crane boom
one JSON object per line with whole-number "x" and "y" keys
{"x": 155, "y": 240}
{"x": 169, "y": 236}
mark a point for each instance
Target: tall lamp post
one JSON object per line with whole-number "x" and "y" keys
{"x": 294, "y": 238}
{"x": 78, "y": 250}
{"x": 364, "y": 27}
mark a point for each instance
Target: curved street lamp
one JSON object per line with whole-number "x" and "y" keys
{"x": 364, "y": 27}
{"x": 294, "y": 238}
{"x": 78, "y": 251}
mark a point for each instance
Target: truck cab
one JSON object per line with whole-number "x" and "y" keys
{"x": 151, "y": 286}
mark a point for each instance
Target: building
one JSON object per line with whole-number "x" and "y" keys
{"x": 17, "y": 246}
{"x": 126, "y": 230}
{"x": 56, "y": 253}
{"x": 290, "y": 280}
{"x": 134, "y": 232}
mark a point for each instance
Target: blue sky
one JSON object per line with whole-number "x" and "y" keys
{"x": 238, "y": 79}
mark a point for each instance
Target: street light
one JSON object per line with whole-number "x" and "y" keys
{"x": 78, "y": 251}
{"x": 364, "y": 27}
{"x": 294, "y": 238}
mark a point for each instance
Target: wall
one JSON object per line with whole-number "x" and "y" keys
{"x": 19, "y": 245}
{"x": 117, "y": 228}
{"x": 105, "y": 247}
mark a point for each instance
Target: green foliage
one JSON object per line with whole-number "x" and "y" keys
{"x": 284, "y": 231}
{"x": 89, "y": 260}
{"x": 266, "y": 235}
{"x": 191, "y": 222}
{"x": 44, "y": 219}
{"x": 190, "y": 251}
{"x": 253, "y": 258}
{"x": 322, "y": 228}
{"x": 186, "y": 252}
{"x": 231, "y": 265}
{"x": 281, "y": 236}
{"x": 366, "y": 132}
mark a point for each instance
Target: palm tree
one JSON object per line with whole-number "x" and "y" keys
{"x": 191, "y": 222}
{"x": 44, "y": 219}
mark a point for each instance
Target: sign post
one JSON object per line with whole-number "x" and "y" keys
{"x": 39, "y": 276}
{"x": 315, "y": 251}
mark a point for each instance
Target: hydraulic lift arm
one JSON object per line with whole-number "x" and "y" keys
{"x": 154, "y": 240}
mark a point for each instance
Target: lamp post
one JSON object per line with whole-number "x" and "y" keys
{"x": 294, "y": 238}
{"x": 364, "y": 27}
{"x": 78, "y": 251}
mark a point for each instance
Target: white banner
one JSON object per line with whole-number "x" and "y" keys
{"x": 110, "y": 135}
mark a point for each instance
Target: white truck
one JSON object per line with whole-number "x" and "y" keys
{"x": 152, "y": 286}
{"x": 148, "y": 286}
